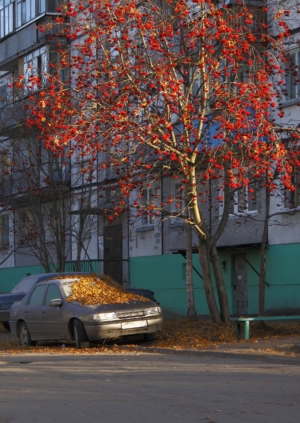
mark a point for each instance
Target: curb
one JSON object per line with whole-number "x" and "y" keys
{"x": 219, "y": 354}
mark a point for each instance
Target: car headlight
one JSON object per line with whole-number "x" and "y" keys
{"x": 104, "y": 317}
{"x": 152, "y": 310}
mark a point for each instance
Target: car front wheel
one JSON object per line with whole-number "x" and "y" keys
{"x": 24, "y": 336}
{"x": 81, "y": 340}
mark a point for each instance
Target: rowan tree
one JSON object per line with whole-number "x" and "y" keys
{"x": 186, "y": 90}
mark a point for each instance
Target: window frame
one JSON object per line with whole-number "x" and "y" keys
{"x": 36, "y": 63}
{"x": 30, "y": 296}
{"x": 45, "y": 297}
{"x": 290, "y": 84}
{"x": 288, "y": 193}
{"x": 235, "y": 199}
{"x": 146, "y": 220}
{"x": 26, "y": 220}
{"x": 4, "y": 235}
{"x": 16, "y": 13}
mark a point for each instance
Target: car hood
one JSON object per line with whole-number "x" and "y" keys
{"x": 11, "y": 298}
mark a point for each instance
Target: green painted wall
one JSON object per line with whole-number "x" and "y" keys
{"x": 165, "y": 276}
{"x": 283, "y": 275}
{"x": 10, "y": 276}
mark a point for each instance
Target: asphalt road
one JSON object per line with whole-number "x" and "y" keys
{"x": 134, "y": 388}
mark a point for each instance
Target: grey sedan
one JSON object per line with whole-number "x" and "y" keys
{"x": 46, "y": 315}
{"x": 21, "y": 289}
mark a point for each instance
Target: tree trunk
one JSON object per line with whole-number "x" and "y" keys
{"x": 262, "y": 271}
{"x": 207, "y": 282}
{"x": 222, "y": 294}
{"x": 190, "y": 298}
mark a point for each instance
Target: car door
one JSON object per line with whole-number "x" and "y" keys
{"x": 52, "y": 316}
{"x": 33, "y": 312}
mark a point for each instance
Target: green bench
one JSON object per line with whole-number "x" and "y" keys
{"x": 246, "y": 322}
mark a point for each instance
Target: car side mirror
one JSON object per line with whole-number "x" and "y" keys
{"x": 57, "y": 302}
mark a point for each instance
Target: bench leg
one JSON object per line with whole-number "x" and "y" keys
{"x": 238, "y": 330}
{"x": 246, "y": 330}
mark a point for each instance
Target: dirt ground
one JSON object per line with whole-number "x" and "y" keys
{"x": 182, "y": 334}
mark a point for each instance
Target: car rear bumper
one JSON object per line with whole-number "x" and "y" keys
{"x": 97, "y": 331}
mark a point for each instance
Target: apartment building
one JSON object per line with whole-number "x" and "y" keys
{"x": 54, "y": 210}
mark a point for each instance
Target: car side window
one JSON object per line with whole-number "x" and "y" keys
{"x": 53, "y": 293}
{"x": 37, "y": 296}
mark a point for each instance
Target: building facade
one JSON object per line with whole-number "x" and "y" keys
{"x": 55, "y": 209}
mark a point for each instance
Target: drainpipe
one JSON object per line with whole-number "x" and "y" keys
{"x": 162, "y": 221}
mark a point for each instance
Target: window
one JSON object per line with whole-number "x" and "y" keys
{"x": 113, "y": 195}
{"x": 7, "y": 17}
{"x": 85, "y": 202}
{"x": 3, "y": 165}
{"x": 88, "y": 226}
{"x": 293, "y": 76}
{"x": 59, "y": 172}
{"x": 4, "y": 231}
{"x": 15, "y": 13}
{"x": 56, "y": 63}
{"x": 146, "y": 201}
{"x": 26, "y": 224}
{"x": 35, "y": 68}
{"x": 21, "y": 12}
{"x": 53, "y": 293}
{"x": 36, "y": 298}
{"x": 7, "y": 90}
{"x": 3, "y": 95}
{"x": 243, "y": 201}
{"x": 49, "y": 224}
{"x": 292, "y": 198}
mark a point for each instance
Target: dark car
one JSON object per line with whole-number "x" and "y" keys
{"x": 147, "y": 293}
{"x": 46, "y": 315}
{"x": 19, "y": 292}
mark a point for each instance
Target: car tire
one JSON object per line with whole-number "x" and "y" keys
{"x": 150, "y": 336}
{"x": 24, "y": 336}
{"x": 6, "y": 326}
{"x": 81, "y": 340}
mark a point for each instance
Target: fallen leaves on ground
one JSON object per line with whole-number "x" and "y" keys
{"x": 189, "y": 333}
{"x": 92, "y": 290}
{"x": 198, "y": 334}
{"x": 179, "y": 333}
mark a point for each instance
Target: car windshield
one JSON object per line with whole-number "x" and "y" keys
{"x": 24, "y": 286}
{"x": 67, "y": 287}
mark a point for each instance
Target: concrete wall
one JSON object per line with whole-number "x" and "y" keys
{"x": 16, "y": 44}
{"x": 239, "y": 230}
{"x": 145, "y": 238}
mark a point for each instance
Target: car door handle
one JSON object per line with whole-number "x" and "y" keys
{"x": 26, "y": 311}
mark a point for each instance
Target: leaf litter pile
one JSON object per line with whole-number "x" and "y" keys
{"x": 92, "y": 290}
{"x": 177, "y": 333}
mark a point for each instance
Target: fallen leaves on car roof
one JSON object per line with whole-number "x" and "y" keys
{"x": 92, "y": 290}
